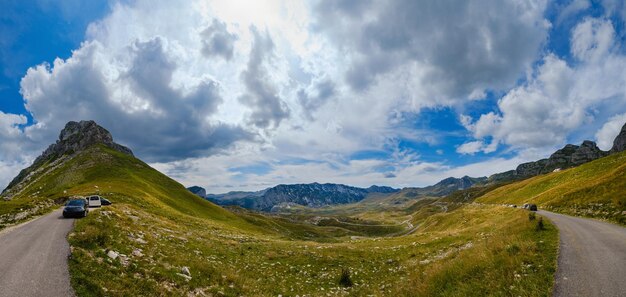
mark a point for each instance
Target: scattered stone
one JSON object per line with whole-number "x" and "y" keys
{"x": 137, "y": 253}
{"x": 185, "y": 271}
{"x": 186, "y": 277}
{"x": 113, "y": 254}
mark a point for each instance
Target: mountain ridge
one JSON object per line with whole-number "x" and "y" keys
{"x": 73, "y": 138}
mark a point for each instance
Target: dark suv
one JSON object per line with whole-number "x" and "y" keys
{"x": 76, "y": 208}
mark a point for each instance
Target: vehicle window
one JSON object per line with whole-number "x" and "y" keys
{"x": 93, "y": 198}
{"x": 75, "y": 203}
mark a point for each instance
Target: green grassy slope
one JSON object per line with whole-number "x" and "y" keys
{"x": 122, "y": 178}
{"x": 594, "y": 189}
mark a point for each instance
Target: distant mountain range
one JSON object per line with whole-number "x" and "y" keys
{"x": 312, "y": 195}
{"x": 318, "y": 195}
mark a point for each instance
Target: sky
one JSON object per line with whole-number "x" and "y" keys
{"x": 244, "y": 95}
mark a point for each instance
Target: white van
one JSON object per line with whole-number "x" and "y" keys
{"x": 94, "y": 201}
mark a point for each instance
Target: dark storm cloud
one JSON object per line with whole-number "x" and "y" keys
{"x": 166, "y": 125}
{"x": 268, "y": 109}
{"x": 465, "y": 44}
{"x": 217, "y": 41}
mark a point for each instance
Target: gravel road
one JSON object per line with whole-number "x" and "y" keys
{"x": 33, "y": 258}
{"x": 592, "y": 258}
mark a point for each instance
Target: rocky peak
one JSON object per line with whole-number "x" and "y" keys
{"x": 619, "y": 144}
{"x": 569, "y": 156}
{"x": 75, "y": 137}
{"x": 200, "y": 191}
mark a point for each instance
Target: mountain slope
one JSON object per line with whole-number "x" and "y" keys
{"x": 86, "y": 161}
{"x": 594, "y": 189}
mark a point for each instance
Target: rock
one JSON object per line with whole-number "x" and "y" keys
{"x": 200, "y": 191}
{"x": 619, "y": 144}
{"x": 112, "y": 254}
{"x": 569, "y": 156}
{"x": 186, "y": 277}
{"x": 75, "y": 137}
{"x": 185, "y": 271}
{"x": 137, "y": 253}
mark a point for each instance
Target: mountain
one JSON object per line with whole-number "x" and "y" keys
{"x": 594, "y": 189}
{"x": 567, "y": 157}
{"x": 84, "y": 161}
{"x": 318, "y": 195}
{"x": 200, "y": 191}
{"x": 619, "y": 144}
{"x": 75, "y": 137}
{"x": 312, "y": 195}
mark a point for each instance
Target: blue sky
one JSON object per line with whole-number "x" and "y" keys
{"x": 244, "y": 95}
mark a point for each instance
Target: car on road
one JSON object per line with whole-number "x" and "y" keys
{"x": 95, "y": 201}
{"x": 532, "y": 207}
{"x": 75, "y": 208}
{"x": 105, "y": 201}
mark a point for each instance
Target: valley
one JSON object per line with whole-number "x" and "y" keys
{"x": 456, "y": 238}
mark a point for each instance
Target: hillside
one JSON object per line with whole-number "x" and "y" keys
{"x": 594, "y": 189}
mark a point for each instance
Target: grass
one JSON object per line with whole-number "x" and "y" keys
{"x": 467, "y": 252}
{"x": 157, "y": 227}
{"x": 594, "y": 189}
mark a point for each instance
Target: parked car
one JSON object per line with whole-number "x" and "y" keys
{"x": 105, "y": 201}
{"x": 75, "y": 208}
{"x": 95, "y": 201}
{"x": 532, "y": 207}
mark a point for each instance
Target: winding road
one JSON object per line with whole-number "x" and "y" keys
{"x": 592, "y": 257}
{"x": 33, "y": 258}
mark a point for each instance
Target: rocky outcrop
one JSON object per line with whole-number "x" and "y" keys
{"x": 619, "y": 144}
{"x": 200, "y": 191}
{"x": 569, "y": 156}
{"x": 74, "y": 138}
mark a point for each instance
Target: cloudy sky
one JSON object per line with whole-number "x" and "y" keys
{"x": 242, "y": 95}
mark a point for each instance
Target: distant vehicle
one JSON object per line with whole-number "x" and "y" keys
{"x": 76, "y": 208}
{"x": 105, "y": 201}
{"x": 95, "y": 201}
{"x": 525, "y": 206}
{"x": 532, "y": 207}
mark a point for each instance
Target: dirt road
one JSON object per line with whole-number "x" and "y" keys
{"x": 592, "y": 258}
{"x": 33, "y": 258}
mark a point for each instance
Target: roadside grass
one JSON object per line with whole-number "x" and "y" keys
{"x": 472, "y": 249}
{"x": 594, "y": 189}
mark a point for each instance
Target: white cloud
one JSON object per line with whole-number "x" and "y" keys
{"x": 213, "y": 85}
{"x": 609, "y": 131}
{"x": 472, "y": 147}
{"x": 559, "y": 98}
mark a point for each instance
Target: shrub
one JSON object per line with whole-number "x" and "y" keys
{"x": 345, "y": 280}
{"x": 540, "y": 225}
{"x": 531, "y": 216}
{"x": 513, "y": 249}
